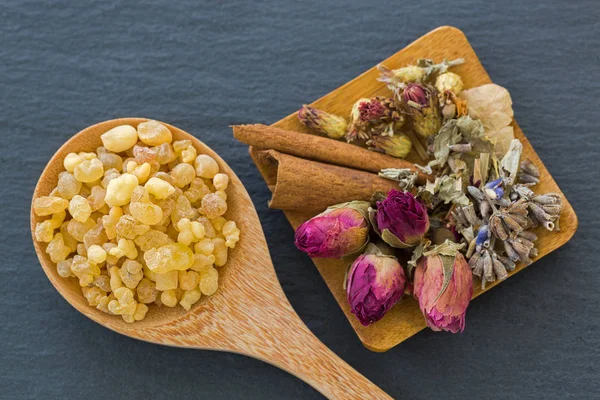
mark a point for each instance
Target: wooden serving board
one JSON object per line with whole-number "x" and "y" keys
{"x": 446, "y": 42}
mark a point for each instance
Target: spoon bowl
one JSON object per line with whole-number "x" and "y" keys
{"x": 240, "y": 209}
{"x": 249, "y": 314}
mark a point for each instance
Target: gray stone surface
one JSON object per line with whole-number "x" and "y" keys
{"x": 202, "y": 65}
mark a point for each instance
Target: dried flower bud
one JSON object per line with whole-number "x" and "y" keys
{"x": 489, "y": 266}
{"x": 329, "y": 124}
{"x": 449, "y": 81}
{"x": 482, "y": 240}
{"x": 380, "y": 109}
{"x": 396, "y": 146}
{"x": 509, "y": 221}
{"x": 358, "y": 129}
{"x": 424, "y": 107}
{"x": 529, "y": 173}
{"x": 369, "y": 110}
{"x": 398, "y": 78}
{"x": 339, "y": 231}
{"x": 376, "y": 116}
{"x": 449, "y": 111}
{"x": 400, "y": 219}
{"x": 545, "y": 210}
{"x": 376, "y": 282}
{"x": 494, "y": 189}
{"x": 416, "y": 93}
{"x": 443, "y": 285}
{"x": 521, "y": 248}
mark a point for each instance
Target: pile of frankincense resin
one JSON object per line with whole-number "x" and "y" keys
{"x": 138, "y": 221}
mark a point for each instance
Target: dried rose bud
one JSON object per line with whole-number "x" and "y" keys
{"x": 396, "y": 146}
{"x": 443, "y": 285}
{"x": 400, "y": 219}
{"x": 425, "y": 110}
{"x": 339, "y": 231}
{"x": 449, "y": 81}
{"x": 376, "y": 282}
{"x": 331, "y": 125}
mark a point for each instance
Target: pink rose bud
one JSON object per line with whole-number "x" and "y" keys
{"x": 443, "y": 285}
{"x": 339, "y": 231}
{"x": 375, "y": 283}
{"x": 400, "y": 219}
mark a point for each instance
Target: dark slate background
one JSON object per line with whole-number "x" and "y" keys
{"x": 203, "y": 65}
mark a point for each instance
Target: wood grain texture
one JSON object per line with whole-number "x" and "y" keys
{"x": 405, "y": 319}
{"x": 249, "y": 314}
{"x": 318, "y": 148}
{"x": 299, "y": 184}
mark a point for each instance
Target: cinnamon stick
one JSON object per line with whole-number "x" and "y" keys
{"x": 318, "y": 148}
{"x": 300, "y": 184}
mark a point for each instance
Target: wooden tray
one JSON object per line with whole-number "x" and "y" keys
{"x": 446, "y": 42}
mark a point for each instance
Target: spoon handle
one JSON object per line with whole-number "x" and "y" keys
{"x": 274, "y": 333}
{"x": 301, "y": 354}
{"x": 261, "y": 323}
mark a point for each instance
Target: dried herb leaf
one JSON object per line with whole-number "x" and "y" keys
{"x": 451, "y": 137}
{"x": 446, "y": 251}
{"x": 473, "y": 132}
{"x": 510, "y": 163}
{"x": 448, "y": 263}
{"x": 431, "y": 67}
{"x": 451, "y": 190}
{"x": 447, "y": 136}
{"x": 448, "y": 248}
{"x": 482, "y": 166}
{"x": 470, "y": 127}
{"x": 416, "y": 254}
{"x": 405, "y": 177}
{"x": 390, "y": 238}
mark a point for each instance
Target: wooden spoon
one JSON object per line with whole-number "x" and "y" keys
{"x": 249, "y": 314}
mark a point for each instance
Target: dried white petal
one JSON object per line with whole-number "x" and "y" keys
{"x": 492, "y": 104}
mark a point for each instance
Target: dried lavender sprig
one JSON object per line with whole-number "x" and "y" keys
{"x": 490, "y": 266}
{"x": 530, "y": 168}
{"x": 545, "y": 209}
{"x": 465, "y": 216}
{"x": 509, "y": 221}
{"x": 518, "y": 250}
{"x": 530, "y": 179}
